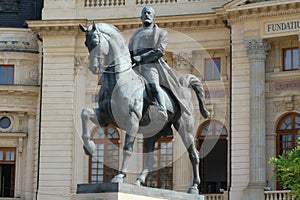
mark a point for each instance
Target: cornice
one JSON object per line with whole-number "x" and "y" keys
{"x": 259, "y": 10}
{"x": 55, "y": 27}
{"x": 180, "y": 23}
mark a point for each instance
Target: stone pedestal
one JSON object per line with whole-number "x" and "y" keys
{"x": 116, "y": 191}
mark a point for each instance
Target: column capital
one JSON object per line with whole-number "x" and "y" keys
{"x": 257, "y": 48}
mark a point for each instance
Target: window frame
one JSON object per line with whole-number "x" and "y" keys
{"x": 213, "y": 68}
{"x": 6, "y": 74}
{"x": 104, "y": 141}
{"x": 284, "y": 50}
{"x": 293, "y": 132}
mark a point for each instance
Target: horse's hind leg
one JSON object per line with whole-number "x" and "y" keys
{"x": 86, "y": 115}
{"x": 185, "y": 128}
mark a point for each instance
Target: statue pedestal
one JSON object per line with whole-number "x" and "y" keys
{"x": 116, "y": 191}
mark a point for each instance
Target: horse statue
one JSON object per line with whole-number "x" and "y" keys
{"x": 126, "y": 101}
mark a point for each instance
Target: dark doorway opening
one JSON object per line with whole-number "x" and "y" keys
{"x": 213, "y": 166}
{"x": 7, "y": 180}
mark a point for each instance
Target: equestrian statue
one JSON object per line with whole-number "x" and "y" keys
{"x": 131, "y": 101}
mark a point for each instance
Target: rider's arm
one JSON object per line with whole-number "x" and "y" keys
{"x": 158, "y": 51}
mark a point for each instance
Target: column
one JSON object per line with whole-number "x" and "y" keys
{"x": 29, "y": 165}
{"x": 257, "y": 51}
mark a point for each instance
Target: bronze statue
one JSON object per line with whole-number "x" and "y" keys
{"x": 129, "y": 102}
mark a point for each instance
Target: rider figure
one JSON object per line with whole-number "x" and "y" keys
{"x": 147, "y": 47}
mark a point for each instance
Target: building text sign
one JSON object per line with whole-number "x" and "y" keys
{"x": 282, "y": 26}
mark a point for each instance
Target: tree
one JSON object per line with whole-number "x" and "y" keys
{"x": 287, "y": 171}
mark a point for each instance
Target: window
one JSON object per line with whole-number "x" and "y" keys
{"x": 162, "y": 176}
{"x": 6, "y": 74}
{"x": 287, "y": 133}
{"x": 212, "y": 128}
{"x": 104, "y": 163}
{"x": 212, "y": 69}
{"x": 7, "y": 172}
{"x": 290, "y": 59}
{"x": 10, "y": 6}
{"x": 5, "y": 122}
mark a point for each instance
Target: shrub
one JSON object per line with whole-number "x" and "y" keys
{"x": 287, "y": 171}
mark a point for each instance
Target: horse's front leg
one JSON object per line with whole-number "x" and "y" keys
{"x": 86, "y": 115}
{"x": 149, "y": 145}
{"x": 131, "y": 132}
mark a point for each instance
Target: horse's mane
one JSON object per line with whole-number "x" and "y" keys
{"x": 111, "y": 31}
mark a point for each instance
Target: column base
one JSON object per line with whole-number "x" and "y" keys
{"x": 255, "y": 191}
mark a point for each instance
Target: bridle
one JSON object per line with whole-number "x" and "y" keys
{"x": 110, "y": 65}
{"x": 114, "y": 65}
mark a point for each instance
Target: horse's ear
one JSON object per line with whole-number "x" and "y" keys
{"x": 94, "y": 26}
{"x": 82, "y": 28}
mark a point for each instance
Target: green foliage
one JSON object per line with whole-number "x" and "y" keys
{"x": 287, "y": 171}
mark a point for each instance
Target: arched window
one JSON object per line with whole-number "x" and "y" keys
{"x": 287, "y": 133}
{"x": 104, "y": 163}
{"x": 212, "y": 128}
{"x": 162, "y": 176}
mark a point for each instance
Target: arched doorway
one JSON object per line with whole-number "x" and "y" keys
{"x": 212, "y": 145}
{"x": 104, "y": 163}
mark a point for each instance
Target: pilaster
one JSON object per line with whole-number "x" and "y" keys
{"x": 57, "y": 112}
{"x": 257, "y": 51}
{"x": 29, "y": 164}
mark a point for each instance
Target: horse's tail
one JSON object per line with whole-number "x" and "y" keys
{"x": 191, "y": 81}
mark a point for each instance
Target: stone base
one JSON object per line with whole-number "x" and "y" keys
{"x": 122, "y": 191}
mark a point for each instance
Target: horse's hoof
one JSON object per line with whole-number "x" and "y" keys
{"x": 86, "y": 151}
{"x": 193, "y": 190}
{"x": 118, "y": 178}
{"x": 137, "y": 182}
{"x": 89, "y": 150}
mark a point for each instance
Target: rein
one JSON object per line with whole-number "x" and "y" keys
{"x": 117, "y": 72}
{"x": 112, "y": 65}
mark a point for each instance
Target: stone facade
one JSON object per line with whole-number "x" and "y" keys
{"x": 254, "y": 92}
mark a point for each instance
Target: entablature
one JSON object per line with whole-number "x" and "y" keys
{"x": 19, "y": 90}
{"x": 259, "y": 10}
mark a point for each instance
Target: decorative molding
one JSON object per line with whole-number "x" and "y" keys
{"x": 183, "y": 61}
{"x": 33, "y": 75}
{"x": 288, "y": 104}
{"x": 56, "y": 30}
{"x": 287, "y": 84}
{"x": 261, "y": 10}
{"x": 19, "y": 46}
{"x": 81, "y": 62}
{"x": 257, "y": 48}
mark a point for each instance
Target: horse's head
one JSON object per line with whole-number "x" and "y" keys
{"x": 98, "y": 47}
{"x": 106, "y": 46}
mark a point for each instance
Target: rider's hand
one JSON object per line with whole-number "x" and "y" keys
{"x": 137, "y": 59}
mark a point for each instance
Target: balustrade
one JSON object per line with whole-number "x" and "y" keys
{"x": 141, "y": 2}
{"x": 111, "y": 3}
{"x": 103, "y": 3}
{"x": 214, "y": 196}
{"x": 278, "y": 195}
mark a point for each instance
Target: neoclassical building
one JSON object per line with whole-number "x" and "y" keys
{"x": 246, "y": 52}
